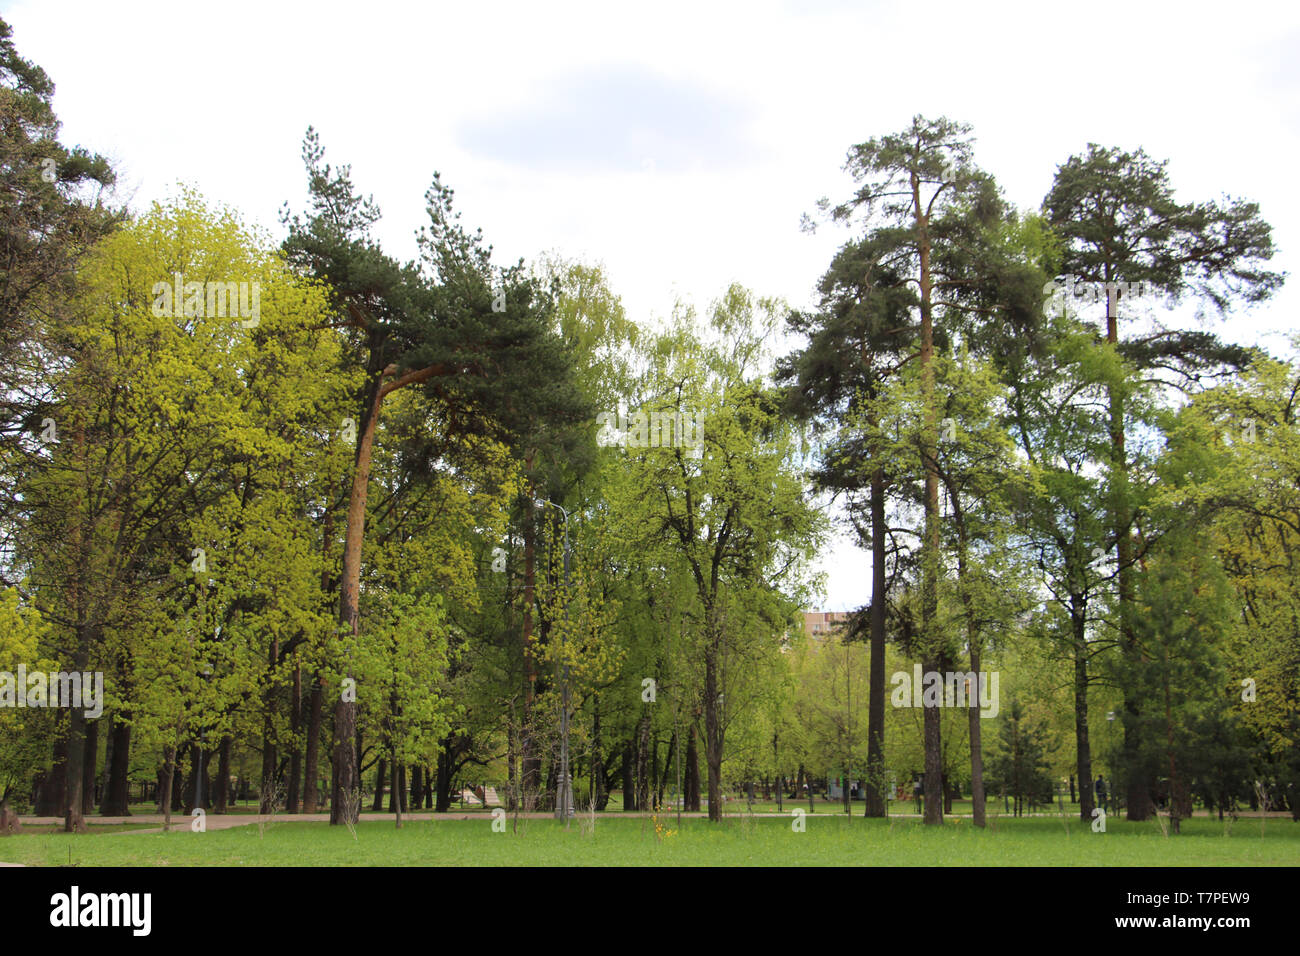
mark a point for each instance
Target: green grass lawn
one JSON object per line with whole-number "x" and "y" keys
{"x": 739, "y": 841}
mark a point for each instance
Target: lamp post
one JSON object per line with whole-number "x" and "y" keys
{"x": 564, "y": 788}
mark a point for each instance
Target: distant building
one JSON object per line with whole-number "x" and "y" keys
{"x": 822, "y": 624}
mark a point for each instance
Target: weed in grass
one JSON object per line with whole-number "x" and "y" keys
{"x": 351, "y": 810}
{"x": 587, "y": 819}
{"x": 271, "y": 802}
{"x": 1262, "y": 793}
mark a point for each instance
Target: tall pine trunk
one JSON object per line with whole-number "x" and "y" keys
{"x": 974, "y": 642}
{"x": 531, "y": 760}
{"x": 875, "y": 796}
{"x": 931, "y": 542}
{"x": 1138, "y": 796}
{"x": 345, "y": 808}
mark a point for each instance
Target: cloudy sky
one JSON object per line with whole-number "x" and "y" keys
{"x": 678, "y": 144}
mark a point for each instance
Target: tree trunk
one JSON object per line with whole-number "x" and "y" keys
{"x": 512, "y": 761}
{"x": 931, "y": 543}
{"x": 221, "y": 789}
{"x": 531, "y": 762}
{"x": 599, "y": 786}
{"x": 199, "y": 758}
{"x": 976, "y": 745}
{"x": 397, "y": 799}
{"x": 377, "y": 805}
{"x": 396, "y": 788}
{"x": 1083, "y": 745}
{"x": 668, "y": 762}
{"x": 642, "y": 766}
{"x": 117, "y": 799}
{"x": 933, "y": 759}
{"x": 52, "y": 792}
{"x": 295, "y": 723}
{"x": 629, "y": 779}
{"x": 270, "y": 783}
{"x": 655, "y": 777}
{"x": 178, "y": 778}
{"x": 165, "y": 786}
{"x": 443, "y": 787}
{"x": 311, "y": 760}
{"x": 102, "y": 783}
{"x": 780, "y": 778}
{"x": 316, "y": 701}
{"x": 1138, "y": 797}
{"x": 88, "y": 769}
{"x": 74, "y": 818}
{"x": 713, "y": 722}
{"x": 691, "y": 787}
{"x": 1175, "y": 790}
{"x": 346, "y": 810}
{"x": 875, "y": 803}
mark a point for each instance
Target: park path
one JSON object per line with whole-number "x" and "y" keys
{"x": 227, "y": 821}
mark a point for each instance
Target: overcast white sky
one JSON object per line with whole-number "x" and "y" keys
{"x": 677, "y": 143}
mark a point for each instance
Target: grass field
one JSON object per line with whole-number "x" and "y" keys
{"x": 739, "y": 841}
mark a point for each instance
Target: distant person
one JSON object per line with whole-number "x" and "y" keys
{"x": 1100, "y": 787}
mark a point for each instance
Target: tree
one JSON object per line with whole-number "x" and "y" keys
{"x": 936, "y": 226}
{"x": 1120, "y": 228}
{"x": 1053, "y": 417}
{"x": 25, "y": 732}
{"x": 55, "y": 211}
{"x": 1019, "y": 765}
{"x": 477, "y": 349}
{"x": 735, "y": 517}
{"x": 1232, "y": 468}
{"x": 854, "y": 343}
